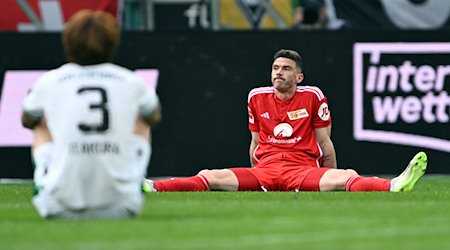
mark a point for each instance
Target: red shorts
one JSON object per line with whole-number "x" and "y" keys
{"x": 280, "y": 172}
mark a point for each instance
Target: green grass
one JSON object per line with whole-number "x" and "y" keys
{"x": 247, "y": 220}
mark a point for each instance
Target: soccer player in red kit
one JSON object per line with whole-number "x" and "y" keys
{"x": 291, "y": 148}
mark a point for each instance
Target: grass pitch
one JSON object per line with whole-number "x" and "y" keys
{"x": 246, "y": 220}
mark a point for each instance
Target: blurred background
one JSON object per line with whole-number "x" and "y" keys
{"x": 383, "y": 64}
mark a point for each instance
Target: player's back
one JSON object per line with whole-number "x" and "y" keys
{"x": 91, "y": 113}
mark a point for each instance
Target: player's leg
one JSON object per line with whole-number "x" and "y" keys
{"x": 330, "y": 179}
{"x": 336, "y": 179}
{"x": 349, "y": 180}
{"x": 42, "y": 153}
{"x": 221, "y": 179}
{"x": 216, "y": 179}
{"x": 248, "y": 179}
{"x": 195, "y": 183}
{"x": 232, "y": 179}
{"x": 326, "y": 179}
{"x": 42, "y": 156}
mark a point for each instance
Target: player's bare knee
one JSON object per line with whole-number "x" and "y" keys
{"x": 341, "y": 179}
{"x": 220, "y": 179}
{"x": 204, "y": 172}
{"x": 212, "y": 176}
{"x": 351, "y": 172}
{"x": 335, "y": 180}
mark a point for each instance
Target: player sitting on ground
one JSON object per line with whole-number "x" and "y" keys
{"x": 291, "y": 148}
{"x": 91, "y": 127}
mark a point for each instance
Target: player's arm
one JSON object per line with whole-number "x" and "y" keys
{"x": 142, "y": 125}
{"x": 41, "y": 134}
{"x": 323, "y": 136}
{"x": 253, "y": 144}
{"x": 39, "y": 126}
{"x": 149, "y": 105}
{"x": 32, "y": 106}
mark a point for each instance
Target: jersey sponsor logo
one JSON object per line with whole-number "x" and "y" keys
{"x": 297, "y": 114}
{"x": 272, "y": 139}
{"x": 401, "y": 94}
{"x": 283, "y": 130}
{"x": 324, "y": 112}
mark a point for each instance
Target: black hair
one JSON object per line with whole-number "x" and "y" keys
{"x": 291, "y": 54}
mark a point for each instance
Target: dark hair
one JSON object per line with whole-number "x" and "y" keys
{"x": 91, "y": 37}
{"x": 291, "y": 54}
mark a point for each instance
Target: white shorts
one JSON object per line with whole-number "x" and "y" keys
{"x": 49, "y": 207}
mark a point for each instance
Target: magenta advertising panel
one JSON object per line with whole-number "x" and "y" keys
{"x": 401, "y": 94}
{"x": 16, "y": 85}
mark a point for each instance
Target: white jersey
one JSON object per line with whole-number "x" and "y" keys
{"x": 91, "y": 112}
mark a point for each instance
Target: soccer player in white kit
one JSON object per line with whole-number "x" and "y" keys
{"x": 91, "y": 123}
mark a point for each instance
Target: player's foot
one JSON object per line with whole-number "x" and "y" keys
{"x": 416, "y": 168}
{"x": 147, "y": 186}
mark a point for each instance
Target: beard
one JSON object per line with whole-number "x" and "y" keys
{"x": 283, "y": 85}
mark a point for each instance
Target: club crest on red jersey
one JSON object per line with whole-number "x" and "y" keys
{"x": 297, "y": 114}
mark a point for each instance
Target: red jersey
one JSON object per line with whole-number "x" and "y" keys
{"x": 288, "y": 126}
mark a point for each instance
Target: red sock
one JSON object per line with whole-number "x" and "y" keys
{"x": 194, "y": 183}
{"x": 360, "y": 183}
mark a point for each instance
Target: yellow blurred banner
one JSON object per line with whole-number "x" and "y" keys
{"x": 246, "y": 14}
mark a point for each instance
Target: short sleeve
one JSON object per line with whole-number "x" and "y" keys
{"x": 33, "y": 103}
{"x": 253, "y": 122}
{"x": 321, "y": 113}
{"x": 147, "y": 99}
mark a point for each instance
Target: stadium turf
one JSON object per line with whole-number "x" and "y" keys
{"x": 248, "y": 220}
